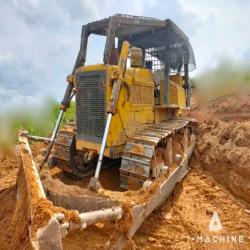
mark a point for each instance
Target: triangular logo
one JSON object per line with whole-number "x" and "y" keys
{"x": 215, "y": 224}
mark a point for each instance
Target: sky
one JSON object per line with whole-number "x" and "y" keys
{"x": 39, "y": 39}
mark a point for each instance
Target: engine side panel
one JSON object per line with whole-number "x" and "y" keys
{"x": 135, "y": 107}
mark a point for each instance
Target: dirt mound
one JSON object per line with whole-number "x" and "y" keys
{"x": 224, "y": 141}
{"x": 223, "y": 149}
{"x": 184, "y": 218}
{"x": 7, "y": 199}
{"x": 9, "y": 164}
{"x": 226, "y": 108}
{"x": 14, "y": 219}
{"x": 220, "y": 175}
{"x": 18, "y": 231}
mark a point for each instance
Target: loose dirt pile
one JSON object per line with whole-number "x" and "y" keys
{"x": 9, "y": 164}
{"x": 223, "y": 145}
{"x": 14, "y": 214}
{"x": 185, "y": 216}
{"x": 218, "y": 182}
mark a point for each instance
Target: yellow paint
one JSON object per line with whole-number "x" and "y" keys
{"x": 177, "y": 79}
{"x": 176, "y": 95}
{"x": 83, "y": 144}
{"x": 135, "y": 107}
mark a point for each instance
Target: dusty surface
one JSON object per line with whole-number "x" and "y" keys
{"x": 9, "y": 164}
{"x": 13, "y": 209}
{"x": 218, "y": 181}
{"x": 224, "y": 142}
{"x": 186, "y": 215}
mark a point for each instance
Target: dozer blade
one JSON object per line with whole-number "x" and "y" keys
{"x": 39, "y": 238}
{"x": 50, "y": 223}
{"x": 53, "y": 213}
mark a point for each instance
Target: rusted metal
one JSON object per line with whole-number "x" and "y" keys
{"x": 137, "y": 149}
{"x": 169, "y": 153}
{"x": 144, "y": 139}
{"x": 38, "y": 138}
{"x": 141, "y": 211}
{"x": 146, "y": 159}
{"x": 157, "y": 162}
{"x": 65, "y": 145}
{"x": 185, "y": 140}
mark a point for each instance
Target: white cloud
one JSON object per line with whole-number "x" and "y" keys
{"x": 6, "y": 93}
{"x": 223, "y": 32}
{"x": 12, "y": 100}
{"x": 39, "y": 39}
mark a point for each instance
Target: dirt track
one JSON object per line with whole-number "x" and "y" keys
{"x": 218, "y": 181}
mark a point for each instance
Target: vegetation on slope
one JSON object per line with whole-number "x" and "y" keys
{"x": 39, "y": 122}
{"x": 225, "y": 79}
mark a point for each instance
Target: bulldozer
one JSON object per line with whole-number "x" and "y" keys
{"x": 128, "y": 111}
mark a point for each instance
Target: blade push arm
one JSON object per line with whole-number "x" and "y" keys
{"x": 117, "y": 83}
{"x": 111, "y": 110}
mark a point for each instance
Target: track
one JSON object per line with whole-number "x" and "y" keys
{"x": 142, "y": 158}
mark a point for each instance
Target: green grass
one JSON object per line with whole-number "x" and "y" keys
{"x": 50, "y": 119}
{"x": 69, "y": 115}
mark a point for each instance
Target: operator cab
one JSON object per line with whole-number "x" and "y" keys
{"x": 164, "y": 49}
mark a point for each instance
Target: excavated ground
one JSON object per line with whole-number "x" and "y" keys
{"x": 219, "y": 181}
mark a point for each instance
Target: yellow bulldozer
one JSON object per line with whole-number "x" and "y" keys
{"x": 128, "y": 109}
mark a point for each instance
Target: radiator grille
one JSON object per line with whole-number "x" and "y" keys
{"x": 90, "y": 105}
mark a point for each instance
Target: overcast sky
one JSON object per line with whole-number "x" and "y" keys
{"x": 39, "y": 39}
